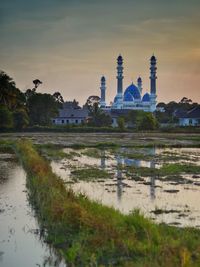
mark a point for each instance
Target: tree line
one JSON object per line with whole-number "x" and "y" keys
{"x": 19, "y": 110}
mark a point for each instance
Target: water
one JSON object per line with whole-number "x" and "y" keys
{"x": 20, "y": 242}
{"x": 175, "y": 196}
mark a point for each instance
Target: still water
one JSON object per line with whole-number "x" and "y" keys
{"x": 175, "y": 197}
{"x": 20, "y": 242}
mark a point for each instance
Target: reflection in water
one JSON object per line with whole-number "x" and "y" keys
{"x": 145, "y": 193}
{"x": 103, "y": 159}
{"x": 152, "y": 183}
{"x": 152, "y": 188}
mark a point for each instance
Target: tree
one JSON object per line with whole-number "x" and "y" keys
{"x": 98, "y": 117}
{"x": 42, "y": 107}
{"x": 6, "y": 120}
{"x": 121, "y": 123}
{"x": 58, "y": 98}
{"x": 92, "y": 103}
{"x": 36, "y": 83}
{"x": 10, "y": 96}
{"x": 20, "y": 119}
{"x": 146, "y": 121}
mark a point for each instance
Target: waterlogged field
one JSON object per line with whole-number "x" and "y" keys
{"x": 157, "y": 174}
{"x": 163, "y": 183}
{"x": 20, "y": 236}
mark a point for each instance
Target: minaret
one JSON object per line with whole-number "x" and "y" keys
{"x": 103, "y": 92}
{"x": 139, "y": 84}
{"x": 120, "y": 81}
{"x": 153, "y": 78}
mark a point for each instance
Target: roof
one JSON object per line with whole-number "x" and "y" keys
{"x": 133, "y": 90}
{"x": 146, "y": 97}
{"x": 191, "y": 114}
{"x": 194, "y": 113}
{"x": 73, "y": 113}
{"x": 128, "y": 97}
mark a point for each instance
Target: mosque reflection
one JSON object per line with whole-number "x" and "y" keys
{"x": 120, "y": 176}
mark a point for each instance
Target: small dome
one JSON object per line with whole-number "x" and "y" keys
{"x": 128, "y": 97}
{"x": 146, "y": 97}
{"x": 134, "y": 91}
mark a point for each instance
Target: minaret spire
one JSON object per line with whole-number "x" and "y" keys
{"x": 139, "y": 84}
{"x": 153, "y": 78}
{"x": 103, "y": 92}
{"x": 120, "y": 81}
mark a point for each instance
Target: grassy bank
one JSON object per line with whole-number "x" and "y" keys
{"x": 89, "y": 234}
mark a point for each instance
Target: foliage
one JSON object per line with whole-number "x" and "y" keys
{"x": 42, "y": 107}
{"x": 146, "y": 121}
{"x": 58, "y": 97}
{"x": 170, "y": 109}
{"x": 121, "y": 123}
{"x": 6, "y": 120}
{"x": 10, "y": 96}
{"x": 98, "y": 118}
{"x": 92, "y": 103}
{"x": 36, "y": 108}
{"x": 20, "y": 119}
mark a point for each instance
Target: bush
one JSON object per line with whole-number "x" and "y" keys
{"x": 147, "y": 122}
{"x": 121, "y": 123}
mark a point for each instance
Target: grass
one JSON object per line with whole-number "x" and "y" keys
{"x": 92, "y": 152}
{"x": 166, "y": 169}
{"x": 55, "y": 152}
{"x": 99, "y": 145}
{"x": 87, "y": 233}
{"x": 90, "y": 174}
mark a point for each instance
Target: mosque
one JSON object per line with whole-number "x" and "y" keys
{"x": 132, "y": 98}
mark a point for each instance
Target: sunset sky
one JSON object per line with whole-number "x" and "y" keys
{"x": 69, "y": 44}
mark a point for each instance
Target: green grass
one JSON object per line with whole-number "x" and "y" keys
{"x": 92, "y": 152}
{"x": 90, "y": 174}
{"x": 87, "y": 233}
{"x": 166, "y": 169}
{"x": 55, "y": 152}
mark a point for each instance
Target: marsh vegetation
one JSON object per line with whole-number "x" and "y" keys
{"x": 97, "y": 200}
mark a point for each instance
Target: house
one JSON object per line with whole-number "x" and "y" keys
{"x": 190, "y": 118}
{"x": 71, "y": 116}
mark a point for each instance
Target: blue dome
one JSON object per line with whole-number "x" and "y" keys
{"x": 116, "y": 98}
{"x": 134, "y": 91}
{"x": 146, "y": 97}
{"x": 128, "y": 97}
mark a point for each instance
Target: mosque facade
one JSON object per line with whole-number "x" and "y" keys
{"x": 132, "y": 98}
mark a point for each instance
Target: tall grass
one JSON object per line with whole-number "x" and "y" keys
{"x": 87, "y": 233}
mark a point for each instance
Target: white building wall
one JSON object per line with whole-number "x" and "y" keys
{"x": 188, "y": 122}
{"x": 66, "y": 121}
